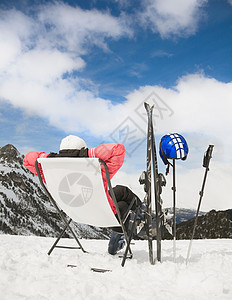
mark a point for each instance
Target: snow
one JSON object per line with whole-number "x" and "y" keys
{"x": 27, "y": 272}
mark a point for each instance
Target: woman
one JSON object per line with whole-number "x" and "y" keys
{"x": 112, "y": 154}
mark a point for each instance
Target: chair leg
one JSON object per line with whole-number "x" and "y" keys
{"x": 125, "y": 216}
{"x": 59, "y": 237}
{"x": 129, "y": 240}
{"x": 67, "y": 223}
{"x": 72, "y": 232}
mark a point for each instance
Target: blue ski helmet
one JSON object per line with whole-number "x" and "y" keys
{"x": 173, "y": 146}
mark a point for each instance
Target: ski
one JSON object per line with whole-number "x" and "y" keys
{"x": 148, "y": 214}
{"x": 159, "y": 181}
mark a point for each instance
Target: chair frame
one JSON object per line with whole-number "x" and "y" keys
{"x": 128, "y": 236}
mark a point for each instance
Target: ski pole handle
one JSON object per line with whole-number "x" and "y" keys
{"x": 208, "y": 156}
{"x": 210, "y": 151}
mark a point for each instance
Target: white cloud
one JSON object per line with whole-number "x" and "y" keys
{"x": 189, "y": 181}
{"x": 230, "y": 2}
{"x": 188, "y": 185}
{"x": 161, "y": 53}
{"x": 202, "y": 110}
{"x": 16, "y": 34}
{"x": 58, "y": 26}
{"x": 201, "y": 105}
{"x": 202, "y": 113}
{"x": 39, "y": 54}
{"x": 172, "y": 18}
{"x": 43, "y": 66}
{"x": 76, "y": 29}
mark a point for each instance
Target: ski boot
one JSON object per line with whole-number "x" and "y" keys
{"x": 116, "y": 243}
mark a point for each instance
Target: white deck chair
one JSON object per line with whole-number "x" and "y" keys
{"x": 75, "y": 186}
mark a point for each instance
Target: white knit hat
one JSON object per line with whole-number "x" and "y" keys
{"x": 72, "y": 142}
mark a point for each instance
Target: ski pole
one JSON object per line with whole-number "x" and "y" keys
{"x": 206, "y": 161}
{"x": 174, "y": 209}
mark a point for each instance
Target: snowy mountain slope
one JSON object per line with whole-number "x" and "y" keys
{"x": 24, "y": 208}
{"x": 27, "y": 272}
{"x": 183, "y": 214}
{"x": 214, "y": 224}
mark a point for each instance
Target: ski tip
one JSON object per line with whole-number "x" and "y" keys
{"x": 148, "y": 107}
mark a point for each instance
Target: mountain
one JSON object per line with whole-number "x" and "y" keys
{"x": 24, "y": 207}
{"x": 183, "y": 214}
{"x": 26, "y": 210}
{"x": 214, "y": 224}
{"x": 211, "y": 225}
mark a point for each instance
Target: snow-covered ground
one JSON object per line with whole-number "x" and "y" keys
{"x": 27, "y": 272}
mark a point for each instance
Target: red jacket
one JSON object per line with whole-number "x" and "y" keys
{"x": 111, "y": 154}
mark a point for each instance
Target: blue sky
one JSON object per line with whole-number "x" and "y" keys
{"x": 85, "y": 68}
